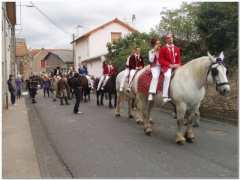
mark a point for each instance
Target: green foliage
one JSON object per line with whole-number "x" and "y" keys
{"x": 179, "y": 22}
{"x": 217, "y": 25}
{"x": 201, "y": 27}
{"x": 197, "y": 27}
{"x": 119, "y": 51}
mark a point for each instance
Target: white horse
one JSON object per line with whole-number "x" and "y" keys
{"x": 130, "y": 97}
{"x": 187, "y": 90}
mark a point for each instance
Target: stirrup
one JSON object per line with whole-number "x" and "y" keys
{"x": 150, "y": 97}
{"x": 166, "y": 99}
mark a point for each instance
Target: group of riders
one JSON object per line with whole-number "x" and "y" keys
{"x": 161, "y": 58}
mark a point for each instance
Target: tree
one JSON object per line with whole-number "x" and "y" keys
{"x": 180, "y": 22}
{"x": 217, "y": 25}
{"x": 119, "y": 51}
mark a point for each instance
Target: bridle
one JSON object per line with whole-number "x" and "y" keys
{"x": 214, "y": 72}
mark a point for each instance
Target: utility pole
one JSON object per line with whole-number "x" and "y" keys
{"x": 74, "y": 58}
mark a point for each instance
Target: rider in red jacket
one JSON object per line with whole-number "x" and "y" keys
{"x": 169, "y": 59}
{"x": 104, "y": 76}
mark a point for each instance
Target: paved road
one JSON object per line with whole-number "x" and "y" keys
{"x": 96, "y": 144}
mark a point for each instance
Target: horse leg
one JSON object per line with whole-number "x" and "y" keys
{"x": 146, "y": 108}
{"x": 97, "y": 92}
{"x": 110, "y": 99}
{"x": 139, "y": 109}
{"x": 102, "y": 95}
{"x": 89, "y": 92}
{"x": 181, "y": 110}
{"x": 196, "y": 120}
{"x": 117, "y": 110}
{"x": 115, "y": 99}
{"x": 189, "y": 135}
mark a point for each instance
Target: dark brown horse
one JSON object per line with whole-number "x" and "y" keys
{"x": 110, "y": 89}
{"x": 85, "y": 87}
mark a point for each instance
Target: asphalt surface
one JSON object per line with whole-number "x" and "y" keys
{"x": 97, "y": 144}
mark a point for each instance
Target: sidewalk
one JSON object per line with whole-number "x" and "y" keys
{"x": 19, "y": 157}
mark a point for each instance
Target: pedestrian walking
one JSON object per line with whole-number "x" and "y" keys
{"x": 46, "y": 85}
{"x": 33, "y": 86}
{"x": 62, "y": 90}
{"x": 19, "y": 84}
{"x": 11, "y": 89}
{"x": 76, "y": 84}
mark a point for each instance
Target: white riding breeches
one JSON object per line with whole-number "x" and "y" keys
{"x": 167, "y": 78}
{"x": 125, "y": 75}
{"x": 105, "y": 80}
{"x": 100, "y": 82}
{"x": 131, "y": 75}
{"x": 154, "y": 82}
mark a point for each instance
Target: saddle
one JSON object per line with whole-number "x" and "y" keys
{"x": 145, "y": 80}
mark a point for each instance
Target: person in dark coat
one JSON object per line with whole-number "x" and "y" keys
{"x": 76, "y": 84}
{"x": 46, "y": 85}
{"x": 11, "y": 89}
{"x": 33, "y": 86}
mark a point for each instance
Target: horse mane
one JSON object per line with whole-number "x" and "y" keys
{"x": 196, "y": 68}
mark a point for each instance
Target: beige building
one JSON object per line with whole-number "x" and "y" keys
{"x": 23, "y": 58}
{"x": 45, "y": 60}
{"x": 8, "y": 14}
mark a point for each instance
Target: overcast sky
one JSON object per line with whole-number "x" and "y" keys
{"x": 39, "y": 32}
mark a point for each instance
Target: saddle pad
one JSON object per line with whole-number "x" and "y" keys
{"x": 145, "y": 80}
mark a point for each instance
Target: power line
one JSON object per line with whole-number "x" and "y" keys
{"x": 48, "y": 18}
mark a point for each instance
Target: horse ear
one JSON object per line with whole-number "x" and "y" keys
{"x": 221, "y": 55}
{"x": 211, "y": 57}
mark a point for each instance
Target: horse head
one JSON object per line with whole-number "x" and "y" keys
{"x": 217, "y": 74}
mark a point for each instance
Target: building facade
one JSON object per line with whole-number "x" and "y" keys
{"x": 45, "y": 60}
{"x": 92, "y": 46}
{"x": 23, "y": 58}
{"x": 8, "y": 47}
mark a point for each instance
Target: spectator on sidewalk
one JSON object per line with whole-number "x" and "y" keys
{"x": 19, "y": 85}
{"x": 11, "y": 89}
{"x": 46, "y": 85}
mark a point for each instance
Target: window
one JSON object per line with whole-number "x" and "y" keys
{"x": 115, "y": 36}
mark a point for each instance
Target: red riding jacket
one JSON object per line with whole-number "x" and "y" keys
{"x": 168, "y": 56}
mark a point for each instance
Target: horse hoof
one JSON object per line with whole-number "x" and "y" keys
{"x": 180, "y": 139}
{"x": 151, "y": 122}
{"x": 189, "y": 137}
{"x": 181, "y": 142}
{"x": 117, "y": 115}
{"x": 139, "y": 122}
{"x": 148, "y": 131}
{"x": 195, "y": 125}
{"x": 130, "y": 116}
{"x": 190, "y": 140}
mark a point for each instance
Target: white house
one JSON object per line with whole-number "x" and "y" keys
{"x": 91, "y": 46}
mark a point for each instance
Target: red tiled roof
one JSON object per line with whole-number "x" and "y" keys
{"x": 21, "y": 49}
{"x": 116, "y": 20}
